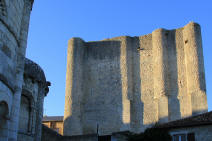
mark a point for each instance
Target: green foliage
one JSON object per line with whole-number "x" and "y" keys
{"x": 151, "y": 134}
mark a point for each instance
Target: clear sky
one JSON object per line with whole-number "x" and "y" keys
{"x": 54, "y": 22}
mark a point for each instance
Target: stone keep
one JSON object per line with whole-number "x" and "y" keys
{"x": 131, "y": 83}
{"x": 16, "y": 103}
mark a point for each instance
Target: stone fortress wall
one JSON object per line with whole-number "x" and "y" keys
{"x": 130, "y": 83}
{"x": 16, "y": 104}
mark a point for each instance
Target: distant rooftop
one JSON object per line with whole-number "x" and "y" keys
{"x": 198, "y": 120}
{"x": 53, "y": 118}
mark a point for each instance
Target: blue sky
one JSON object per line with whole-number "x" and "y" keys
{"x": 54, "y": 22}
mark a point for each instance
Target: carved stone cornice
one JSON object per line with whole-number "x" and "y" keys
{"x": 35, "y": 72}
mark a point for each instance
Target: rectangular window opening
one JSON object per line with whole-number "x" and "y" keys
{"x": 183, "y": 137}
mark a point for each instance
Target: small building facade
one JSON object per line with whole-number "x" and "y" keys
{"x": 54, "y": 122}
{"x": 195, "y": 128}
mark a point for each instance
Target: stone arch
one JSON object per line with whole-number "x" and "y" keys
{"x": 3, "y": 8}
{"x": 26, "y": 114}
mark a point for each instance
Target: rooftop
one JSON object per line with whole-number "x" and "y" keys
{"x": 53, "y": 118}
{"x": 198, "y": 120}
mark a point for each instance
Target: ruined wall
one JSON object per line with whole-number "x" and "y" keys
{"x": 14, "y": 22}
{"x": 103, "y": 62}
{"x": 130, "y": 83}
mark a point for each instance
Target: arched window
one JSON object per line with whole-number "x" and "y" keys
{"x": 3, "y": 10}
{"x": 24, "y": 115}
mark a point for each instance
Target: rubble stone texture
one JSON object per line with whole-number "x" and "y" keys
{"x": 131, "y": 83}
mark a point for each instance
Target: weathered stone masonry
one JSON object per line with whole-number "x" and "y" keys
{"x": 14, "y": 22}
{"x": 16, "y": 103}
{"x": 130, "y": 83}
{"x": 34, "y": 89}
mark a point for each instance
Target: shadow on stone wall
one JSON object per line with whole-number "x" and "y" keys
{"x": 107, "y": 83}
{"x": 109, "y": 96}
{"x": 131, "y": 83}
{"x": 172, "y": 76}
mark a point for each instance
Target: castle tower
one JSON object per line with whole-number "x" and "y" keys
{"x": 14, "y": 23}
{"x": 131, "y": 83}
